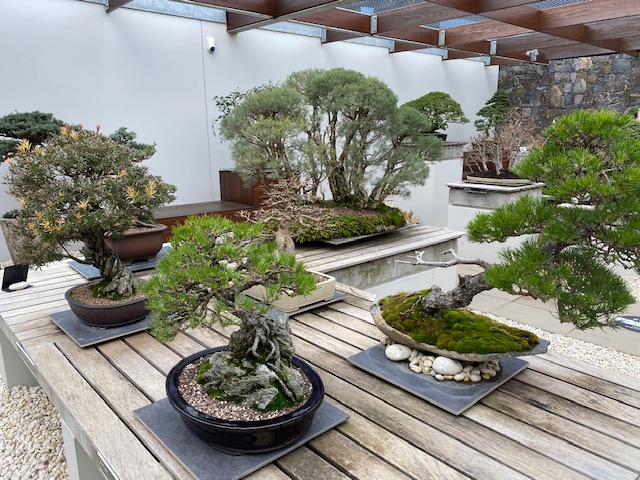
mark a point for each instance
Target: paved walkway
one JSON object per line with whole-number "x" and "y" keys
{"x": 543, "y": 315}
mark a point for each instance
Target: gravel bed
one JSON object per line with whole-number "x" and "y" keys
{"x": 31, "y": 437}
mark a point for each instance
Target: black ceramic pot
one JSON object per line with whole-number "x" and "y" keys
{"x": 239, "y": 437}
{"x": 110, "y": 315}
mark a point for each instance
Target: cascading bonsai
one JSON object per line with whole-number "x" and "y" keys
{"x": 200, "y": 282}
{"x": 588, "y": 220}
{"x": 82, "y": 186}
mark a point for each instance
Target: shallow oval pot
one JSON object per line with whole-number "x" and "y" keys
{"x": 405, "y": 339}
{"x": 138, "y": 245}
{"x": 239, "y": 437}
{"x": 107, "y": 315}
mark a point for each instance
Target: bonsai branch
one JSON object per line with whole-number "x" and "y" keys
{"x": 455, "y": 260}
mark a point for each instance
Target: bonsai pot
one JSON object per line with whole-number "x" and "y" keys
{"x": 240, "y": 437}
{"x": 325, "y": 290}
{"x": 404, "y": 339}
{"x": 139, "y": 244}
{"x": 107, "y": 315}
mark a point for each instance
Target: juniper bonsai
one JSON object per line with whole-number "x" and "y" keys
{"x": 199, "y": 283}
{"x": 588, "y": 220}
{"x": 82, "y": 186}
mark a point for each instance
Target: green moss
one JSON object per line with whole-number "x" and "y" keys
{"x": 353, "y": 222}
{"x": 202, "y": 369}
{"x": 458, "y": 330}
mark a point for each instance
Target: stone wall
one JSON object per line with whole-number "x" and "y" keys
{"x": 562, "y": 86}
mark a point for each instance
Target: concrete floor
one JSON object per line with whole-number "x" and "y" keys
{"x": 543, "y": 315}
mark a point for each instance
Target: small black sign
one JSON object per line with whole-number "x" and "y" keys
{"x": 14, "y": 274}
{"x": 630, "y": 322}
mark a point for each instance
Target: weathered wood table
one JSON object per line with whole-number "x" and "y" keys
{"x": 558, "y": 419}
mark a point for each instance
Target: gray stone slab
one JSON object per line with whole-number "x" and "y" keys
{"x": 92, "y": 273}
{"x": 454, "y": 397}
{"x": 86, "y": 335}
{"x": 198, "y": 457}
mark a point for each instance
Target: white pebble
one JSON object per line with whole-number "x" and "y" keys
{"x": 446, "y": 366}
{"x": 475, "y": 378}
{"x": 439, "y": 377}
{"x": 415, "y": 368}
{"x": 397, "y": 352}
{"x": 18, "y": 286}
{"x": 459, "y": 377}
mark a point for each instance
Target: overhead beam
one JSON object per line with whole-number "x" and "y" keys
{"x": 113, "y": 5}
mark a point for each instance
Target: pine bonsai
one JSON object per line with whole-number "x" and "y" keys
{"x": 82, "y": 186}
{"x": 588, "y": 220}
{"x": 199, "y": 283}
{"x": 335, "y": 126}
{"x": 440, "y": 109}
{"x": 494, "y": 111}
{"x": 35, "y": 127}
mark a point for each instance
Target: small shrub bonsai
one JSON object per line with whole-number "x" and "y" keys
{"x": 82, "y": 186}
{"x": 199, "y": 283}
{"x": 440, "y": 109}
{"x": 588, "y": 220}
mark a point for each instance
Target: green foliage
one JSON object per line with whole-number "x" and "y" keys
{"x": 440, "y": 109}
{"x": 126, "y": 137}
{"x": 81, "y": 186}
{"x": 458, "y": 330}
{"x": 590, "y": 164}
{"x": 337, "y": 126}
{"x": 349, "y": 223}
{"x": 494, "y": 111}
{"x": 35, "y": 127}
{"x": 213, "y": 260}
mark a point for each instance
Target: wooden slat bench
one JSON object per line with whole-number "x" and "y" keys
{"x": 558, "y": 419}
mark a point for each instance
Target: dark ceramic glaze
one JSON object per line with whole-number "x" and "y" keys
{"x": 239, "y": 437}
{"x": 107, "y": 316}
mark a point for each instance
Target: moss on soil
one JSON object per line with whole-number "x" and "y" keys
{"x": 458, "y": 329}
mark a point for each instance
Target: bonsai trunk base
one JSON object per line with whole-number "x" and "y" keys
{"x": 239, "y": 437}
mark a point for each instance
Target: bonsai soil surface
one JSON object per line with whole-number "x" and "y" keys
{"x": 503, "y": 175}
{"x": 196, "y": 396}
{"x": 84, "y": 295}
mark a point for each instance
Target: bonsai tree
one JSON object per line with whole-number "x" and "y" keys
{"x": 589, "y": 219}
{"x": 335, "y": 126}
{"x": 82, "y": 186}
{"x": 496, "y": 151}
{"x": 494, "y": 111}
{"x": 35, "y": 127}
{"x": 200, "y": 283}
{"x": 440, "y": 109}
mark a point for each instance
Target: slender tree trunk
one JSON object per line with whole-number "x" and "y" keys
{"x": 111, "y": 268}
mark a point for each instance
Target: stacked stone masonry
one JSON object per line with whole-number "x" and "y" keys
{"x": 548, "y": 91}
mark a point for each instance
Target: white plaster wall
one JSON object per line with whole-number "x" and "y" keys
{"x": 152, "y": 73}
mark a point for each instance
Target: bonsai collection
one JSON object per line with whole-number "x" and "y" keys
{"x": 588, "y": 220}
{"x": 335, "y": 128}
{"x": 200, "y": 283}
{"x": 82, "y": 186}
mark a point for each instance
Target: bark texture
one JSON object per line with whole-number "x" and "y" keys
{"x": 111, "y": 268}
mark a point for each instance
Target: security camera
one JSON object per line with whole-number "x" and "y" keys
{"x": 211, "y": 44}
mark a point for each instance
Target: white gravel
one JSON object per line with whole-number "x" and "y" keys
{"x": 31, "y": 444}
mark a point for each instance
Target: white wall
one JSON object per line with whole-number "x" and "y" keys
{"x": 152, "y": 73}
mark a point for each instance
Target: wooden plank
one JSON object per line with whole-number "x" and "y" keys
{"x": 153, "y": 351}
{"x": 302, "y": 463}
{"x": 606, "y": 447}
{"x": 351, "y": 322}
{"x": 356, "y": 312}
{"x": 594, "y": 370}
{"x": 579, "y": 414}
{"x": 356, "y": 294}
{"x": 350, "y": 457}
{"x": 91, "y": 420}
{"x": 122, "y": 396}
{"x": 326, "y": 342}
{"x": 429, "y": 428}
{"x": 581, "y": 396}
{"x": 347, "y": 335}
{"x": 395, "y": 450}
{"x": 184, "y": 345}
{"x": 598, "y": 385}
{"x": 135, "y": 368}
{"x": 268, "y": 472}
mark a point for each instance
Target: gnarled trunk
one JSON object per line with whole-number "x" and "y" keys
{"x": 111, "y": 268}
{"x": 461, "y": 296}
